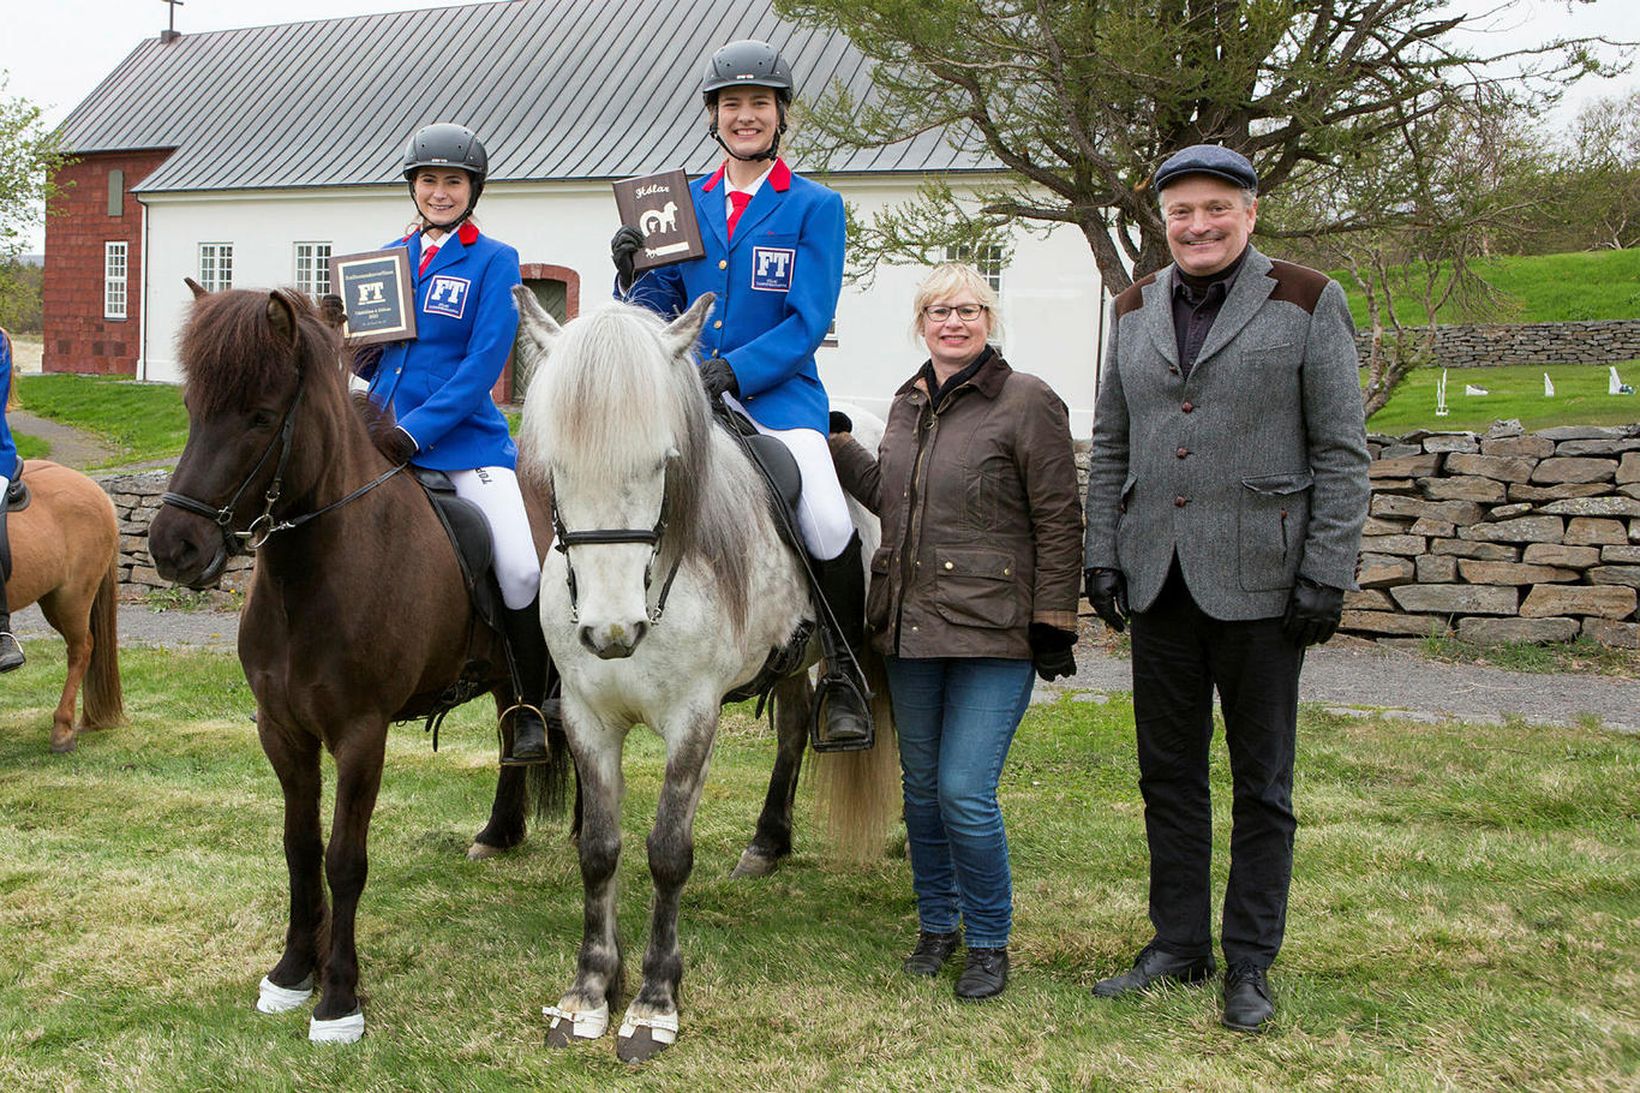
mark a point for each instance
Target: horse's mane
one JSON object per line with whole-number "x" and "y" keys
{"x": 230, "y": 350}
{"x": 614, "y": 404}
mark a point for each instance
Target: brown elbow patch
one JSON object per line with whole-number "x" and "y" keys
{"x": 1132, "y": 297}
{"x": 1299, "y": 285}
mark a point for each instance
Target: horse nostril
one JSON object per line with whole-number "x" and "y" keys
{"x": 639, "y": 629}
{"x": 585, "y": 634}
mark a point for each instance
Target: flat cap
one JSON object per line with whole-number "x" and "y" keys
{"x": 1207, "y": 159}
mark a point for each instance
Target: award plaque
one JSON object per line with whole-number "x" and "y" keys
{"x": 376, "y": 293}
{"x": 661, "y": 207}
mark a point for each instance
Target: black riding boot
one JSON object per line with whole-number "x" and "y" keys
{"x": 11, "y": 653}
{"x": 533, "y": 681}
{"x": 841, "y": 718}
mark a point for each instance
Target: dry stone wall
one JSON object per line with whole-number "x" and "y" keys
{"x": 136, "y": 501}
{"x": 1597, "y": 342}
{"x": 1503, "y": 536}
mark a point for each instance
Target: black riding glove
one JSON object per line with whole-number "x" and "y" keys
{"x": 1107, "y": 595}
{"x": 396, "y": 444}
{"x": 626, "y": 242}
{"x": 1052, "y": 651}
{"x": 717, "y": 377}
{"x": 1313, "y": 612}
{"x": 840, "y": 423}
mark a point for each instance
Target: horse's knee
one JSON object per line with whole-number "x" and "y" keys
{"x": 671, "y": 857}
{"x": 600, "y": 853}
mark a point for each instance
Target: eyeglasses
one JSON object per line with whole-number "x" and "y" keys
{"x": 966, "y": 312}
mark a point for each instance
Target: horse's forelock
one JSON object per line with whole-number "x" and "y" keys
{"x": 230, "y": 351}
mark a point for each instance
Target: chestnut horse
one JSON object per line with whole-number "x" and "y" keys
{"x": 357, "y": 615}
{"x": 65, "y": 550}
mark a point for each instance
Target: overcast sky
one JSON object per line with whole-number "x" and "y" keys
{"x": 57, "y": 51}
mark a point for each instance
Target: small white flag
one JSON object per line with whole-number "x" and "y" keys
{"x": 1471, "y": 389}
{"x": 1548, "y": 386}
{"x": 1616, "y": 386}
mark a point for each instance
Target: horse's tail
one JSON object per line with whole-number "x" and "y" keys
{"x": 857, "y": 793}
{"x": 547, "y": 784}
{"x": 104, "y": 704}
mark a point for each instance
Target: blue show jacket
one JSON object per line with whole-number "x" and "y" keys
{"x": 8, "y": 449}
{"x": 439, "y": 382}
{"x": 777, "y": 285}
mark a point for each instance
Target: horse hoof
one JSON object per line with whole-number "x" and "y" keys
{"x": 340, "y": 1030}
{"x": 272, "y": 998}
{"x": 753, "y": 864}
{"x": 484, "y": 851}
{"x": 570, "y": 1027}
{"x": 643, "y": 1038}
{"x": 65, "y": 745}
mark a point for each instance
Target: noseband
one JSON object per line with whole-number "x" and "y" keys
{"x": 563, "y": 539}
{"x": 264, "y": 526}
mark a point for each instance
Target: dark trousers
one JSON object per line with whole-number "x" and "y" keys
{"x": 1180, "y": 655}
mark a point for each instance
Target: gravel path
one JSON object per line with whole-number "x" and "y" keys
{"x": 71, "y": 447}
{"x": 1346, "y": 674}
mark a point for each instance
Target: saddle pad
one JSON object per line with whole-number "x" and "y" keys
{"x": 470, "y": 535}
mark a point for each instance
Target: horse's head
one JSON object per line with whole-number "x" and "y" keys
{"x": 246, "y": 358}
{"x": 617, "y": 426}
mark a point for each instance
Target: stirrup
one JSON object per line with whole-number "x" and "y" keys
{"x": 11, "y": 652}
{"x": 828, "y": 684}
{"x": 507, "y": 758}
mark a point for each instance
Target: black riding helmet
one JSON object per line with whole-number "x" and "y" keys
{"x": 748, "y": 63}
{"x": 444, "y": 144}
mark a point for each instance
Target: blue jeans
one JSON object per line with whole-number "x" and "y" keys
{"x": 956, "y": 717}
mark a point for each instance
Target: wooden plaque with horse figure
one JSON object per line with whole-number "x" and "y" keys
{"x": 661, "y": 207}
{"x": 377, "y": 294}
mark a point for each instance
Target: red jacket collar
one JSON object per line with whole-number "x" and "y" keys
{"x": 780, "y": 178}
{"x": 467, "y": 233}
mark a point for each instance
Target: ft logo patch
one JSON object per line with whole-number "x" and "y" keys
{"x": 772, "y": 268}
{"x": 447, "y": 296}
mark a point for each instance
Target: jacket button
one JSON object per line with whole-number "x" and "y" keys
{"x": 717, "y": 324}
{"x": 1187, "y": 407}
{"x": 1182, "y": 452}
{"x": 948, "y": 565}
{"x": 722, "y": 264}
{"x": 1181, "y": 502}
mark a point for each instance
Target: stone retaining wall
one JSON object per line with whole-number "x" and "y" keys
{"x": 1601, "y": 342}
{"x": 136, "y": 500}
{"x": 1506, "y": 536}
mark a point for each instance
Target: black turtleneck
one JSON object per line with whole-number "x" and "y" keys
{"x": 1196, "y": 304}
{"x": 937, "y": 391}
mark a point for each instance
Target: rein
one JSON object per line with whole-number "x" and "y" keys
{"x": 264, "y": 527}
{"x": 563, "y": 539}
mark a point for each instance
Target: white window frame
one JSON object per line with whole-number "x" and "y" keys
{"x": 312, "y": 266}
{"x": 989, "y": 262}
{"x": 216, "y": 266}
{"x": 116, "y": 278}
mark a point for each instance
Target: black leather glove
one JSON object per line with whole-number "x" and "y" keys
{"x": 394, "y": 443}
{"x": 840, "y": 423}
{"x": 626, "y": 242}
{"x": 1107, "y": 595}
{"x": 1052, "y": 652}
{"x": 717, "y": 377}
{"x": 1313, "y": 612}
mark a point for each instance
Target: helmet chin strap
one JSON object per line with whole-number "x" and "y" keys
{"x": 769, "y": 153}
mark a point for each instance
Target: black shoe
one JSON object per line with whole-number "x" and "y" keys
{"x": 1154, "y": 966}
{"x": 533, "y": 680}
{"x": 841, "y": 719}
{"x": 931, "y": 953}
{"x": 984, "y": 975}
{"x": 11, "y": 653}
{"x": 1247, "y": 1004}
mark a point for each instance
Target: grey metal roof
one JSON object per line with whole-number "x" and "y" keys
{"x": 558, "y": 89}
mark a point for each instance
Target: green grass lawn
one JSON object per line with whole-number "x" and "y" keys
{"x": 1515, "y": 391}
{"x": 31, "y": 447}
{"x": 141, "y": 421}
{"x": 1533, "y": 289}
{"x": 1463, "y": 915}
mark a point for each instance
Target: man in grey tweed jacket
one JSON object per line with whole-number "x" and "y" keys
{"x": 1226, "y": 494}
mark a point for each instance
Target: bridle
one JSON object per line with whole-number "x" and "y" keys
{"x": 264, "y": 527}
{"x": 563, "y": 539}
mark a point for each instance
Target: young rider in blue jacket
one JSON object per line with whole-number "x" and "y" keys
{"x": 11, "y": 653}
{"x": 438, "y": 388}
{"x": 774, "y": 260}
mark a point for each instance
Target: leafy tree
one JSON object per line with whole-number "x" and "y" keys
{"x": 1079, "y": 100}
{"x": 28, "y": 158}
{"x": 1601, "y": 178}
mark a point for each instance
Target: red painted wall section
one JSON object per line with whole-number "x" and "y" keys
{"x": 541, "y": 271}
{"x": 77, "y": 337}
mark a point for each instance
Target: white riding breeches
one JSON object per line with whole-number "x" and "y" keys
{"x": 495, "y": 491}
{"x": 822, "y": 509}
{"x": 5, "y": 484}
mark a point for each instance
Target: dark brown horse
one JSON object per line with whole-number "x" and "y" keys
{"x": 65, "y": 556}
{"x": 357, "y": 614}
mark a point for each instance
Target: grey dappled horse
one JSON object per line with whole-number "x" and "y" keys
{"x": 670, "y": 591}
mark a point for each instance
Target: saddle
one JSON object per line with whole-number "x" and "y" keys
{"x": 470, "y": 535}
{"x": 16, "y": 500}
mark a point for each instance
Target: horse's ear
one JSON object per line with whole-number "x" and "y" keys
{"x": 535, "y": 322}
{"x": 683, "y": 332}
{"x": 195, "y": 287}
{"x": 282, "y": 315}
